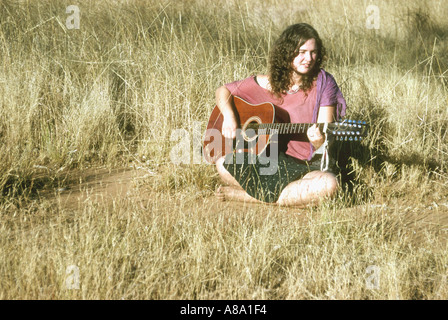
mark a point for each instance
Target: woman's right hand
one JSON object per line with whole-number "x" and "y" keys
{"x": 229, "y": 126}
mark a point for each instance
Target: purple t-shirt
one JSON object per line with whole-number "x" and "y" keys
{"x": 302, "y": 108}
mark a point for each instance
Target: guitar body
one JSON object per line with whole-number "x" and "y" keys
{"x": 247, "y": 140}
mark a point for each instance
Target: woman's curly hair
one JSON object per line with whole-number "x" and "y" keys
{"x": 285, "y": 49}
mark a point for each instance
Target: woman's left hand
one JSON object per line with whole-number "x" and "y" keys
{"x": 315, "y": 136}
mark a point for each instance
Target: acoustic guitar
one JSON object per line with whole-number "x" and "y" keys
{"x": 259, "y": 125}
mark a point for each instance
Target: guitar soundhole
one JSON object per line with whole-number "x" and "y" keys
{"x": 248, "y": 133}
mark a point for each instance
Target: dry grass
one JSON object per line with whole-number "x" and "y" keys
{"x": 111, "y": 94}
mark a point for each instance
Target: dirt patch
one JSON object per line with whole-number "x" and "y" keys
{"x": 98, "y": 185}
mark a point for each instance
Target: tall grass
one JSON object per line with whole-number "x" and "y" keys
{"x": 135, "y": 71}
{"x": 113, "y": 91}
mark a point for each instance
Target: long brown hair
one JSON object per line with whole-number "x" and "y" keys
{"x": 285, "y": 49}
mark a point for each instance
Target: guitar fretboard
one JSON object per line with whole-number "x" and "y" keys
{"x": 280, "y": 128}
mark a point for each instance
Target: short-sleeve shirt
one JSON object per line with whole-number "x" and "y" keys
{"x": 302, "y": 107}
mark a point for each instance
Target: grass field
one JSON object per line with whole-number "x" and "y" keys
{"x": 92, "y": 205}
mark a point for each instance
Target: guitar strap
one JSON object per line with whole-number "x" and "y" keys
{"x": 325, "y": 159}
{"x": 322, "y": 83}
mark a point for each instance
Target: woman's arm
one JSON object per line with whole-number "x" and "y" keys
{"x": 326, "y": 114}
{"x": 224, "y": 103}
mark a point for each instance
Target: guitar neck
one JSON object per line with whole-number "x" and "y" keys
{"x": 282, "y": 128}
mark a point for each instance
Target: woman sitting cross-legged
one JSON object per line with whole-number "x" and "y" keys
{"x": 296, "y": 83}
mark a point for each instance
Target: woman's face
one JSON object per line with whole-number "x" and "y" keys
{"x": 305, "y": 60}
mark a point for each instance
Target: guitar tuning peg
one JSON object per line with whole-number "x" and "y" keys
{"x": 350, "y": 138}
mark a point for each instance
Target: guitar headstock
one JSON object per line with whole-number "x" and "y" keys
{"x": 348, "y": 130}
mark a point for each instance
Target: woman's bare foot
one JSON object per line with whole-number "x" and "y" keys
{"x": 219, "y": 194}
{"x": 231, "y": 193}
